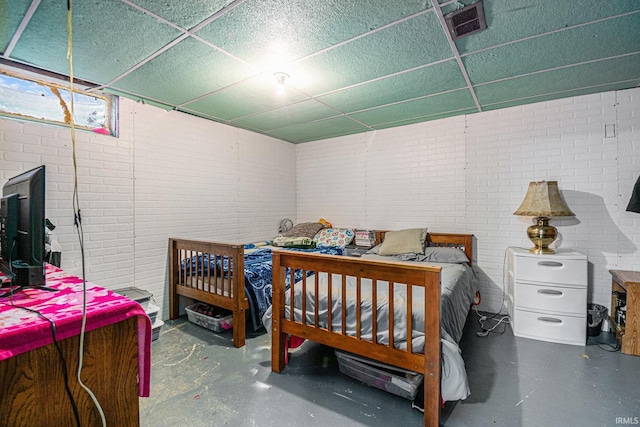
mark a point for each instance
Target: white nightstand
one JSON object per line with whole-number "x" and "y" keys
{"x": 547, "y": 295}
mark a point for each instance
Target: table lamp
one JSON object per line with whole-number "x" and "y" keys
{"x": 543, "y": 200}
{"x": 634, "y": 202}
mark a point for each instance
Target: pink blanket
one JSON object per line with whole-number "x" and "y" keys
{"x": 22, "y": 330}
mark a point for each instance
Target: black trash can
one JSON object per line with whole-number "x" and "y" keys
{"x": 596, "y": 313}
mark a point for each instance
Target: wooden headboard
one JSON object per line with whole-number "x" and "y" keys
{"x": 460, "y": 241}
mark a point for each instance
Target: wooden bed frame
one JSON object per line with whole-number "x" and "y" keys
{"x": 229, "y": 292}
{"x": 209, "y": 285}
{"x": 393, "y": 273}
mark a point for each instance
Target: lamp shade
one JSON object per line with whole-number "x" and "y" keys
{"x": 543, "y": 199}
{"x": 634, "y": 202}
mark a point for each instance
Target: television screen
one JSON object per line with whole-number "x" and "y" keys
{"x": 23, "y": 222}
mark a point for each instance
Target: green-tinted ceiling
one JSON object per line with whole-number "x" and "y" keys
{"x": 293, "y": 114}
{"x": 569, "y": 78}
{"x": 512, "y": 20}
{"x": 184, "y": 72}
{"x": 107, "y": 38}
{"x": 353, "y": 65}
{"x": 430, "y": 80}
{"x": 311, "y": 131}
{"x": 268, "y": 32}
{"x": 581, "y": 44}
{"x": 385, "y": 52}
{"x": 257, "y": 93}
{"x": 186, "y": 14}
{"x": 423, "y": 107}
{"x": 11, "y": 15}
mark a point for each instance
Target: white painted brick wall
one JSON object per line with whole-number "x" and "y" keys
{"x": 469, "y": 174}
{"x": 266, "y": 187}
{"x": 330, "y": 181}
{"x": 104, "y": 186}
{"x": 170, "y": 174}
{"x": 167, "y": 175}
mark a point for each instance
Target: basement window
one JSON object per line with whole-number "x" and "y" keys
{"x": 29, "y": 98}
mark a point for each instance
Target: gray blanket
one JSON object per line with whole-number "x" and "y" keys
{"x": 458, "y": 290}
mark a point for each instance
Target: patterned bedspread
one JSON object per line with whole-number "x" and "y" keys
{"x": 257, "y": 274}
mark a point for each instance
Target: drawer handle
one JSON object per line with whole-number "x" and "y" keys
{"x": 550, "y": 292}
{"x": 550, "y": 320}
{"x": 550, "y": 264}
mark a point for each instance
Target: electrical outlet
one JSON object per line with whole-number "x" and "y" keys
{"x": 610, "y": 131}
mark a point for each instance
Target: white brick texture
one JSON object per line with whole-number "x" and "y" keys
{"x": 167, "y": 175}
{"x": 469, "y": 174}
{"x": 174, "y": 175}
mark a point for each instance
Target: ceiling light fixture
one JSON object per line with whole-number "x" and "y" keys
{"x": 280, "y": 79}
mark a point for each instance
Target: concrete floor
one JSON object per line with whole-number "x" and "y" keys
{"x": 200, "y": 379}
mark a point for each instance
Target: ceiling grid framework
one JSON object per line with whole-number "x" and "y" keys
{"x": 354, "y": 65}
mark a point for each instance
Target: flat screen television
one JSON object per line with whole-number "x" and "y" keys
{"x": 22, "y": 235}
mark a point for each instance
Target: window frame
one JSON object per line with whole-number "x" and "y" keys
{"x": 56, "y": 85}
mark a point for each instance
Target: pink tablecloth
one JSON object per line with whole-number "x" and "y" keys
{"x": 22, "y": 330}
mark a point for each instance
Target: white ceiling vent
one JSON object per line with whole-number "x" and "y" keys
{"x": 468, "y": 20}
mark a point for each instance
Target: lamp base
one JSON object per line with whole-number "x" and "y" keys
{"x": 542, "y": 235}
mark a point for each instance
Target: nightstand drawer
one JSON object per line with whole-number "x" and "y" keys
{"x": 552, "y": 328}
{"x": 551, "y": 269}
{"x": 551, "y": 298}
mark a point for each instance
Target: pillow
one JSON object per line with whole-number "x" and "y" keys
{"x": 304, "y": 229}
{"x": 445, "y": 254}
{"x": 375, "y": 250}
{"x": 333, "y": 237}
{"x": 406, "y": 241}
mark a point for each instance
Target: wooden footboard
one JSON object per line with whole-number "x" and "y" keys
{"x": 326, "y": 332}
{"x": 216, "y": 284}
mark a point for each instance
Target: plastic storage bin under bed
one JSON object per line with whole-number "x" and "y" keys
{"x": 394, "y": 380}
{"x": 211, "y": 317}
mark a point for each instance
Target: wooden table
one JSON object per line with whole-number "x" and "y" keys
{"x": 627, "y": 282}
{"x": 116, "y": 358}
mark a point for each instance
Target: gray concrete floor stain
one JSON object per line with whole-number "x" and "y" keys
{"x": 200, "y": 379}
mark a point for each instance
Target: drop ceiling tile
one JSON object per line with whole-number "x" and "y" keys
{"x": 594, "y": 41}
{"x": 248, "y": 97}
{"x": 184, "y": 13}
{"x": 570, "y": 78}
{"x": 11, "y": 17}
{"x": 426, "y": 118}
{"x": 424, "y": 107}
{"x": 412, "y": 43}
{"x": 563, "y": 94}
{"x": 321, "y": 129}
{"x": 102, "y": 38}
{"x": 289, "y": 115}
{"x": 184, "y": 72}
{"x": 354, "y": 56}
{"x": 509, "y": 20}
{"x": 270, "y": 32}
{"x": 425, "y": 81}
{"x": 448, "y": 7}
